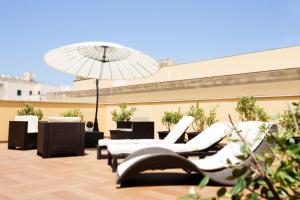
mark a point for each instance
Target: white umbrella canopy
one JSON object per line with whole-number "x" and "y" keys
{"x": 101, "y": 60}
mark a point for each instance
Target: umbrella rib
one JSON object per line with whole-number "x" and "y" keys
{"x": 82, "y": 65}
{"x": 101, "y": 70}
{"x": 138, "y": 70}
{"x": 88, "y": 75}
{"x": 119, "y": 52}
{"x": 132, "y": 76}
{"x": 110, "y": 70}
{"x": 144, "y": 68}
{"x": 90, "y": 50}
{"x": 68, "y": 67}
{"x": 98, "y": 52}
{"x": 59, "y": 59}
{"x": 78, "y": 61}
{"x": 119, "y": 70}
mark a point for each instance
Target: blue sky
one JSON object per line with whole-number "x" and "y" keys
{"x": 186, "y": 31}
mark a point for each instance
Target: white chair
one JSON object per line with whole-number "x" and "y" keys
{"x": 172, "y": 137}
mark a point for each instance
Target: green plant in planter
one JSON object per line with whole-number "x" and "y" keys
{"x": 29, "y": 110}
{"x": 212, "y": 116}
{"x": 177, "y": 115}
{"x": 249, "y": 111}
{"x": 291, "y": 117}
{"x": 171, "y": 117}
{"x": 73, "y": 113}
{"x": 198, "y": 113}
{"x": 124, "y": 114}
{"x": 166, "y": 119}
{"x": 89, "y": 124}
{"x": 200, "y": 118}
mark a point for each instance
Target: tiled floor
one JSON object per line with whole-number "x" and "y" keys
{"x": 24, "y": 175}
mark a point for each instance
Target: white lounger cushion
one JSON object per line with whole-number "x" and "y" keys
{"x": 107, "y": 142}
{"x": 179, "y": 129}
{"x": 250, "y": 132}
{"x": 64, "y": 119}
{"x": 32, "y": 120}
{"x": 211, "y": 135}
{"x": 172, "y": 137}
{"x": 207, "y": 138}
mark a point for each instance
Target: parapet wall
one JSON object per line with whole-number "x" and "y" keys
{"x": 152, "y": 110}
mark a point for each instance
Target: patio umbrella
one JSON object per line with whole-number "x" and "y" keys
{"x": 101, "y": 60}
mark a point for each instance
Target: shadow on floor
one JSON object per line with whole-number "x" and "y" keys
{"x": 165, "y": 179}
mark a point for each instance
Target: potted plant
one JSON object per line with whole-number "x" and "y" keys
{"x": 249, "y": 111}
{"x": 201, "y": 120}
{"x": 29, "y": 110}
{"x": 89, "y": 126}
{"x": 73, "y": 113}
{"x": 168, "y": 119}
{"x": 124, "y": 115}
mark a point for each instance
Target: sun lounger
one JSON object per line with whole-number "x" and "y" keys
{"x": 203, "y": 144}
{"x": 172, "y": 137}
{"x": 215, "y": 166}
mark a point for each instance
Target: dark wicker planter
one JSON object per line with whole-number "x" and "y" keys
{"x": 124, "y": 124}
{"x": 191, "y": 135}
{"x": 137, "y": 130}
{"x": 163, "y": 134}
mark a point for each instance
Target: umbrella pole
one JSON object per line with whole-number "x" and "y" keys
{"x": 96, "y": 127}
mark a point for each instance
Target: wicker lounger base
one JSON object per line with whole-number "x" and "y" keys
{"x": 112, "y": 159}
{"x": 160, "y": 158}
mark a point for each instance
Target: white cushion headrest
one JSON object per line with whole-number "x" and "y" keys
{"x": 179, "y": 129}
{"x": 32, "y": 120}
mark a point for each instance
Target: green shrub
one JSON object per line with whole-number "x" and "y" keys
{"x": 200, "y": 119}
{"x": 124, "y": 114}
{"x": 171, "y": 117}
{"x": 29, "y": 110}
{"x": 291, "y": 117}
{"x": 249, "y": 111}
{"x": 278, "y": 172}
{"x": 73, "y": 113}
{"x": 166, "y": 119}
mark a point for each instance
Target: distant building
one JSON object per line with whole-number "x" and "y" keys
{"x": 166, "y": 62}
{"x": 25, "y": 88}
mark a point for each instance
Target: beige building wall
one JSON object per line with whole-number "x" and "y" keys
{"x": 276, "y": 59}
{"x": 284, "y": 88}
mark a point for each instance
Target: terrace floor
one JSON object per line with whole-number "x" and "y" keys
{"x": 24, "y": 175}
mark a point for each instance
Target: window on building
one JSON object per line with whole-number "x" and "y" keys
{"x": 19, "y": 92}
{"x": 30, "y": 93}
{"x": 39, "y": 92}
